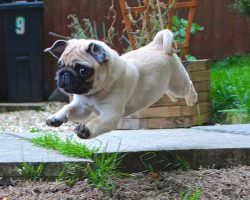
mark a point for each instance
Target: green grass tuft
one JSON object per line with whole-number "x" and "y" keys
{"x": 99, "y": 174}
{"x": 31, "y": 172}
{"x": 230, "y": 89}
{"x": 191, "y": 194}
{"x": 67, "y": 147}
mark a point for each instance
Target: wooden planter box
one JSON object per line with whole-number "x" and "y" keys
{"x": 166, "y": 114}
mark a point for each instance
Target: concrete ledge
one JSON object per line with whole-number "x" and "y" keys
{"x": 15, "y": 150}
{"x": 163, "y": 149}
{"x": 184, "y": 159}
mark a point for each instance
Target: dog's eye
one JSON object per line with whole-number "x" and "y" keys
{"x": 84, "y": 70}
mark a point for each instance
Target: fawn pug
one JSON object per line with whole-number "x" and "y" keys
{"x": 115, "y": 86}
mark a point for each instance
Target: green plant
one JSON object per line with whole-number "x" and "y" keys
{"x": 191, "y": 194}
{"x": 105, "y": 167}
{"x": 99, "y": 174}
{"x": 67, "y": 147}
{"x": 86, "y": 29}
{"x": 35, "y": 130}
{"x": 159, "y": 21}
{"x": 180, "y": 26}
{"x": 71, "y": 173}
{"x": 230, "y": 87}
{"x": 168, "y": 162}
{"x": 82, "y": 32}
{"x": 30, "y": 172}
{"x": 243, "y": 6}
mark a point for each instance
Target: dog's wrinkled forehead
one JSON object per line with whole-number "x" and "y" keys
{"x": 76, "y": 52}
{"x": 72, "y": 51}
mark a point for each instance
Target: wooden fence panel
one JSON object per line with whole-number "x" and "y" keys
{"x": 226, "y": 32}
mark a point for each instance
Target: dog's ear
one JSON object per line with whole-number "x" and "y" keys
{"x": 97, "y": 52}
{"x": 57, "y": 48}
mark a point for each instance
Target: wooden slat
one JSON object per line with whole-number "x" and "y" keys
{"x": 185, "y": 4}
{"x": 156, "y": 112}
{"x": 173, "y": 111}
{"x": 202, "y": 86}
{"x": 165, "y": 101}
{"x": 198, "y": 65}
{"x": 196, "y": 109}
{"x": 204, "y": 118}
{"x": 200, "y": 76}
{"x": 168, "y": 122}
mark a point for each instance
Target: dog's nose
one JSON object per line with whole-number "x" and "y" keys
{"x": 64, "y": 79}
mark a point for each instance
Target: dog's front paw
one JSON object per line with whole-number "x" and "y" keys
{"x": 53, "y": 121}
{"x": 82, "y": 131}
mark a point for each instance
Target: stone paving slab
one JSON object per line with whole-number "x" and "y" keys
{"x": 201, "y": 146}
{"x": 159, "y": 139}
{"x": 241, "y": 129}
{"x": 15, "y": 151}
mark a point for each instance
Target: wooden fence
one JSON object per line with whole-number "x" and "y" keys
{"x": 226, "y": 32}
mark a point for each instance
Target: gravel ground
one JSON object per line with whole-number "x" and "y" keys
{"x": 23, "y": 121}
{"x": 224, "y": 184}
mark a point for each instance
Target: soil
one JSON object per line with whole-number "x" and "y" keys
{"x": 224, "y": 184}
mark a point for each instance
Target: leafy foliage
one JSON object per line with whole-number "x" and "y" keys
{"x": 158, "y": 21}
{"x": 230, "y": 86}
{"x": 243, "y": 6}
{"x": 179, "y": 28}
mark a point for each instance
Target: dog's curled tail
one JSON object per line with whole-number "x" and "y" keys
{"x": 163, "y": 41}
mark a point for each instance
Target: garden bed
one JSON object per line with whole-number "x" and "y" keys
{"x": 209, "y": 184}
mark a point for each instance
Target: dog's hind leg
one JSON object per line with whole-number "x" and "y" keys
{"x": 171, "y": 95}
{"x": 192, "y": 96}
{"x": 187, "y": 91}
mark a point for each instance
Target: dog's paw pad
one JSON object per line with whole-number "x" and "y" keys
{"x": 53, "y": 122}
{"x": 82, "y": 131}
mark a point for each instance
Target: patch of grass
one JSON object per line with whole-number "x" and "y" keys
{"x": 68, "y": 147}
{"x": 191, "y": 194}
{"x": 99, "y": 174}
{"x": 30, "y": 172}
{"x": 105, "y": 167}
{"x": 230, "y": 89}
{"x": 164, "y": 162}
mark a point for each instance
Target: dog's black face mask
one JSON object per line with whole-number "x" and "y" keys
{"x": 76, "y": 79}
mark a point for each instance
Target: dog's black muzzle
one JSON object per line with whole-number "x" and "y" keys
{"x": 71, "y": 84}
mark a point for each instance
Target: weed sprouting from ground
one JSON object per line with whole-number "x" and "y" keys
{"x": 191, "y": 194}
{"x": 100, "y": 174}
{"x": 230, "y": 89}
{"x": 164, "y": 162}
{"x": 31, "y": 172}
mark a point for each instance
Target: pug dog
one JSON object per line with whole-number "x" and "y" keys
{"x": 115, "y": 86}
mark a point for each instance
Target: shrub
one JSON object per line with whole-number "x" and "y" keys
{"x": 230, "y": 90}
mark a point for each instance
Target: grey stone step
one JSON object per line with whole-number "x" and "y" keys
{"x": 206, "y": 146}
{"x": 16, "y": 150}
